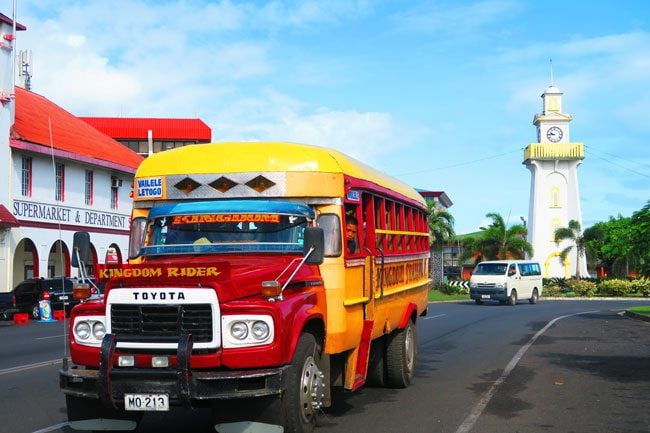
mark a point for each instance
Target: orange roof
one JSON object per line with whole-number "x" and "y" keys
{"x": 137, "y": 128}
{"x": 37, "y": 116}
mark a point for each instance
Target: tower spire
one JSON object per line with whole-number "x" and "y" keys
{"x": 551, "y": 62}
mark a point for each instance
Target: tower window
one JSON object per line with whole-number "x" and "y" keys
{"x": 555, "y": 197}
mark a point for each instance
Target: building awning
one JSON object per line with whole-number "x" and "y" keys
{"x": 6, "y": 218}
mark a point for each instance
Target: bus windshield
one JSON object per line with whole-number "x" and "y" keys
{"x": 490, "y": 269}
{"x": 218, "y": 229}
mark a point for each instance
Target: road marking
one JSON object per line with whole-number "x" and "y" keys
{"x": 51, "y": 428}
{"x": 29, "y": 366}
{"x": 51, "y": 336}
{"x": 433, "y": 317}
{"x": 471, "y": 419}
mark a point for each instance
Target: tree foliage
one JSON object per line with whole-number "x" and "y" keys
{"x": 572, "y": 233}
{"x": 498, "y": 242}
{"x": 621, "y": 245}
{"x": 441, "y": 226}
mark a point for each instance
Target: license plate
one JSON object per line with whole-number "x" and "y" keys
{"x": 63, "y": 297}
{"x": 148, "y": 402}
{"x": 485, "y": 296}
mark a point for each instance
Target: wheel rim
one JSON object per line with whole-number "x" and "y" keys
{"x": 311, "y": 389}
{"x": 409, "y": 348}
{"x": 36, "y": 312}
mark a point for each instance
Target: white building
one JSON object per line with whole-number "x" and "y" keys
{"x": 58, "y": 175}
{"x": 554, "y": 195}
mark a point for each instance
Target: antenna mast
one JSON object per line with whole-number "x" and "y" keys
{"x": 551, "y": 62}
{"x": 25, "y": 71}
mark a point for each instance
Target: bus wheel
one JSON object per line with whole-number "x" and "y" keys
{"x": 304, "y": 394}
{"x": 533, "y": 299}
{"x": 401, "y": 351}
{"x": 512, "y": 300}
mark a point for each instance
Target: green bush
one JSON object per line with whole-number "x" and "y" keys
{"x": 558, "y": 282}
{"x": 552, "y": 290}
{"x": 641, "y": 286}
{"x": 616, "y": 287}
{"x": 582, "y": 287}
{"x": 448, "y": 289}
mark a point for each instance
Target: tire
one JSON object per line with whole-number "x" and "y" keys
{"x": 376, "y": 375}
{"x": 303, "y": 394}
{"x": 401, "y": 352}
{"x": 35, "y": 312}
{"x": 478, "y": 301}
{"x": 512, "y": 300}
{"x": 533, "y": 299}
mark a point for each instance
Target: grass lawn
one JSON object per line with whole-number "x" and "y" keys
{"x": 641, "y": 310}
{"x": 437, "y": 295}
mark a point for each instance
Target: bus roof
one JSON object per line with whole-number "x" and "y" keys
{"x": 268, "y": 157}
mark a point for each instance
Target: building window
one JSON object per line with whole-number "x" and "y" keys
{"x": 26, "y": 179}
{"x": 555, "y": 197}
{"x": 60, "y": 182}
{"x": 114, "y": 190}
{"x": 89, "y": 187}
{"x": 555, "y": 224}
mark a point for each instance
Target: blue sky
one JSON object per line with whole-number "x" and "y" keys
{"x": 440, "y": 94}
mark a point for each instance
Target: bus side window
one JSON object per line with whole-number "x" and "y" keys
{"x": 351, "y": 229}
{"x": 331, "y": 226}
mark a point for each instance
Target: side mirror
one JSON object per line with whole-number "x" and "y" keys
{"x": 314, "y": 238}
{"x": 80, "y": 249}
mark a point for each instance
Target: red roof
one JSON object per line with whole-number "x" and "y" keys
{"x": 37, "y": 116}
{"x": 5, "y": 19}
{"x": 137, "y": 128}
{"x": 6, "y": 218}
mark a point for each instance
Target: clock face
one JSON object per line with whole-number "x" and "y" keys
{"x": 554, "y": 134}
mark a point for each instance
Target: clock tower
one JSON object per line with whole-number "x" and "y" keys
{"x": 554, "y": 197}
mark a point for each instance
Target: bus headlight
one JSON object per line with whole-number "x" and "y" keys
{"x": 89, "y": 330}
{"x": 99, "y": 330}
{"x": 246, "y": 330}
{"x": 239, "y": 330}
{"x": 260, "y": 330}
{"x": 82, "y": 330}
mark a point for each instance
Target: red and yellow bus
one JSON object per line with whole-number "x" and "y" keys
{"x": 260, "y": 275}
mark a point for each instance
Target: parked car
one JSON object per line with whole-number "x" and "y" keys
{"x": 7, "y": 308}
{"x": 28, "y": 294}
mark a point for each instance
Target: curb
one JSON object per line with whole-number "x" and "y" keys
{"x": 599, "y": 298}
{"x": 637, "y": 316}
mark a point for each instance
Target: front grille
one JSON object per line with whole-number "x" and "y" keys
{"x": 163, "y": 321}
{"x": 486, "y": 285}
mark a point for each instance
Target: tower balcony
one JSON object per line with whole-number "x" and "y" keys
{"x": 554, "y": 151}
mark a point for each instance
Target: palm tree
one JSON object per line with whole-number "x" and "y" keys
{"x": 572, "y": 233}
{"x": 497, "y": 241}
{"x": 441, "y": 226}
{"x": 441, "y": 232}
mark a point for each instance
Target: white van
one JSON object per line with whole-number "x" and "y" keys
{"x": 506, "y": 281}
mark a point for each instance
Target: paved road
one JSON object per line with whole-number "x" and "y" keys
{"x": 558, "y": 366}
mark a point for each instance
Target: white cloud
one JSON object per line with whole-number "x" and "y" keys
{"x": 455, "y": 19}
